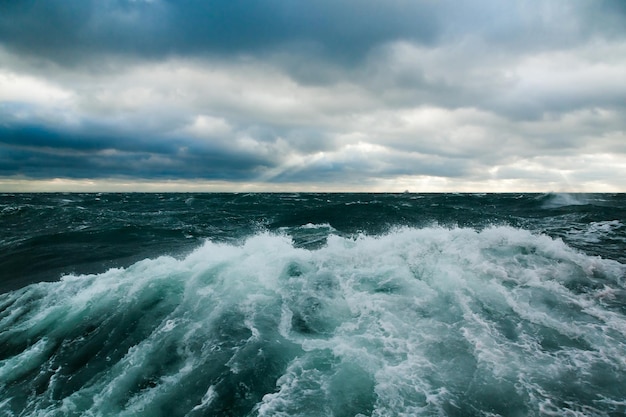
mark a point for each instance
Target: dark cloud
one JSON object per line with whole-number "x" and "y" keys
{"x": 72, "y": 30}
{"x": 78, "y": 29}
{"x": 80, "y": 140}
{"x": 36, "y": 152}
{"x": 309, "y": 91}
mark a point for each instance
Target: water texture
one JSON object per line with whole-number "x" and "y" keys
{"x": 312, "y": 305}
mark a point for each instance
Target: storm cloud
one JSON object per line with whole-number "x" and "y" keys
{"x": 363, "y": 95}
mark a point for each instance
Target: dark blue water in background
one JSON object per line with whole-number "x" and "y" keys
{"x": 312, "y": 304}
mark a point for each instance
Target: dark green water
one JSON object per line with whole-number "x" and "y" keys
{"x": 312, "y": 304}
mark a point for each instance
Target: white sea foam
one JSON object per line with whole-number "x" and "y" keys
{"x": 555, "y": 200}
{"x": 594, "y": 232}
{"x": 429, "y": 321}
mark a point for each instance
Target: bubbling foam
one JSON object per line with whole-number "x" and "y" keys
{"x": 429, "y": 321}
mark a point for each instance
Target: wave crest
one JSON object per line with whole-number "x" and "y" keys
{"x": 418, "y": 321}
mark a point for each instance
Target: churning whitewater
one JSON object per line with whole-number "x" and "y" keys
{"x": 415, "y": 321}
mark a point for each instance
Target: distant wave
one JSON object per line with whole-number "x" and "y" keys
{"x": 555, "y": 200}
{"x": 430, "y": 321}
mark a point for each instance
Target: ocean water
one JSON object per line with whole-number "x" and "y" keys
{"x": 312, "y": 305}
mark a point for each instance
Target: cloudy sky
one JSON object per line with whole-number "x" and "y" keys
{"x": 325, "y": 95}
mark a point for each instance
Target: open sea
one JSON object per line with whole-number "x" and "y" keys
{"x": 312, "y": 305}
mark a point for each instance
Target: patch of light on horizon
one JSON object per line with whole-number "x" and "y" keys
{"x": 416, "y": 184}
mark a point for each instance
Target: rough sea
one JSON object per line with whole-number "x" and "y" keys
{"x": 313, "y": 305}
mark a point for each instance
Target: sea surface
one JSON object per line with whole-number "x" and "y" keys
{"x": 313, "y": 305}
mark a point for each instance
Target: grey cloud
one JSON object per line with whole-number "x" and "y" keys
{"x": 352, "y": 165}
{"x": 518, "y": 86}
{"x": 443, "y": 88}
{"x": 37, "y": 136}
{"x": 463, "y": 50}
{"x": 71, "y": 29}
{"x": 39, "y": 152}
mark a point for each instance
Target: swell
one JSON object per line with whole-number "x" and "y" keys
{"x": 44, "y": 236}
{"x": 430, "y": 321}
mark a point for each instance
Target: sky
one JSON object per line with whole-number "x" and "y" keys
{"x": 325, "y": 95}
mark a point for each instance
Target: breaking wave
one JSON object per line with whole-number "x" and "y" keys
{"x": 432, "y": 321}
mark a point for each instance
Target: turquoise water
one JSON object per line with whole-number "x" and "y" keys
{"x": 312, "y": 305}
